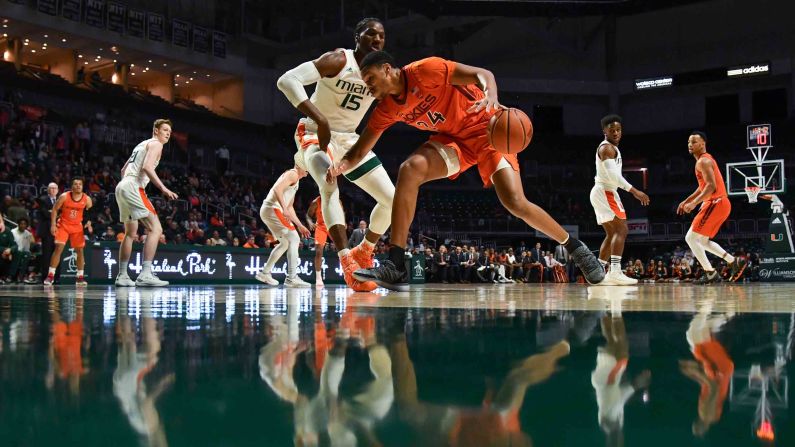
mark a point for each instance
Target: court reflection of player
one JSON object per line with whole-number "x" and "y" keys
{"x": 495, "y": 423}
{"x": 345, "y": 420}
{"x": 612, "y": 392}
{"x": 129, "y": 380}
{"x": 66, "y": 342}
{"x": 712, "y": 370}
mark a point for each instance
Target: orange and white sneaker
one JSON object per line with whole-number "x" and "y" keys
{"x": 349, "y": 265}
{"x": 363, "y": 255}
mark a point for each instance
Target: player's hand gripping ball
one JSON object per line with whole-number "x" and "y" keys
{"x": 510, "y": 131}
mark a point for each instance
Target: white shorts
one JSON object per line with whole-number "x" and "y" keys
{"x": 132, "y": 200}
{"x": 276, "y": 221}
{"x": 341, "y": 142}
{"x": 606, "y": 204}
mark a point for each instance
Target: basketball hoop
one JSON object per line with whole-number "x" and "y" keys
{"x": 752, "y": 192}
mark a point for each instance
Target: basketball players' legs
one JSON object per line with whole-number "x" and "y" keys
{"x": 319, "y": 258}
{"x": 616, "y": 235}
{"x": 379, "y": 186}
{"x": 125, "y": 250}
{"x": 55, "y": 259}
{"x": 429, "y": 162}
{"x": 508, "y": 185}
{"x": 705, "y": 226}
{"x": 154, "y": 230}
{"x": 317, "y": 163}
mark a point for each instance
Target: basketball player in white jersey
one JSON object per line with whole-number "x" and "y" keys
{"x": 134, "y": 205}
{"x": 279, "y": 215}
{"x": 335, "y": 109}
{"x": 607, "y": 204}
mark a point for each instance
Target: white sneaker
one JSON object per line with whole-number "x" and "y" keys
{"x": 149, "y": 280}
{"x": 295, "y": 281}
{"x": 620, "y": 279}
{"x": 266, "y": 278}
{"x": 124, "y": 281}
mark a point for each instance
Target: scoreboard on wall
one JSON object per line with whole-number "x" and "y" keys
{"x": 760, "y": 135}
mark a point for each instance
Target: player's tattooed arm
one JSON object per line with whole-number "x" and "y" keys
{"x": 467, "y": 75}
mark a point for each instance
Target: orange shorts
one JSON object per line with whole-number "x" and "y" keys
{"x": 711, "y": 217}
{"x": 470, "y": 151}
{"x": 73, "y": 234}
{"x": 321, "y": 235}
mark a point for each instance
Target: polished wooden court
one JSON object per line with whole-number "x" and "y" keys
{"x": 738, "y": 298}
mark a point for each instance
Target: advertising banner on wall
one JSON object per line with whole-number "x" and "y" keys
{"x": 775, "y": 268}
{"x": 638, "y": 226}
{"x": 183, "y": 264}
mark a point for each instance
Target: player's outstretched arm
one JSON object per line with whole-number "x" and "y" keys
{"x": 363, "y": 145}
{"x": 466, "y": 75}
{"x": 153, "y": 151}
{"x": 292, "y": 85}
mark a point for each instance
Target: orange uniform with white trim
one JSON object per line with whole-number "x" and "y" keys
{"x": 714, "y": 210}
{"x": 431, "y": 102}
{"x": 321, "y": 232}
{"x": 70, "y": 221}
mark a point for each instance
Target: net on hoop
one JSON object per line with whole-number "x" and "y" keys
{"x": 752, "y": 192}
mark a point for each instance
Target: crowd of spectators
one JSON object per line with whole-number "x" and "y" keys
{"x": 547, "y": 263}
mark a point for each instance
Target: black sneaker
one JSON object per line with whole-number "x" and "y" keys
{"x": 708, "y": 278}
{"x": 737, "y": 269}
{"x": 385, "y": 275}
{"x": 592, "y": 270}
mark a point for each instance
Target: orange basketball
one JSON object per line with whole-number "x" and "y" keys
{"x": 510, "y": 131}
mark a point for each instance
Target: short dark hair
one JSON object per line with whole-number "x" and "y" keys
{"x": 24, "y": 219}
{"x": 700, "y": 134}
{"x": 74, "y": 179}
{"x": 378, "y": 58}
{"x": 612, "y": 118}
{"x": 362, "y": 25}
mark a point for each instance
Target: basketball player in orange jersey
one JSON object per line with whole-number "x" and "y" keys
{"x": 606, "y": 202}
{"x": 456, "y": 101}
{"x": 715, "y": 209}
{"x": 69, "y": 227}
{"x": 314, "y": 217}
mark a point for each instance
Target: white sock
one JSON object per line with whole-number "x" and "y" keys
{"x": 319, "y": 274}
{"x": 51, "y": 271}
{"x": 80, "y": 273}
{"x": 603, "y": 263}
{"x": 615, "y": 263}
{"x": 147, "y": 267}
{"x": 342, "y": 253}
{"x": 718, "y": 251}
{"x": 367, "y": 244}
{"x": 123, "y": 268}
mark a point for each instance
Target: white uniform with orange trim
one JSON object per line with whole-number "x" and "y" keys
{"x": 130, "y": 195}
{"x": 272, "y": 213}
{"x": 344, "y": 100}
{"x": 604, "y": 195}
